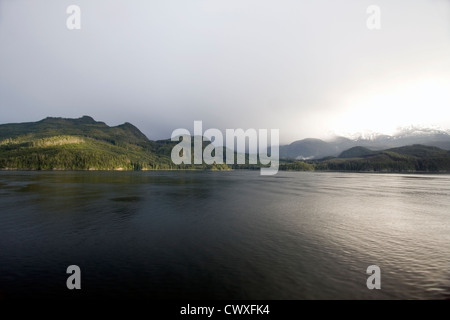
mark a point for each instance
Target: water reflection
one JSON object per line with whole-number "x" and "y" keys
{"x": 230, "y": 235}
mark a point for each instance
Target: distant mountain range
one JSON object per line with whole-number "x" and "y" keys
{"x": 414, "y": 158}
{"x": 315, "y": 148}
{"x": 86, "y": 144}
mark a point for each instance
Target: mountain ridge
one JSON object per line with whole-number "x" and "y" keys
{"x": 84, "y": 144}
{"x": 413, "y": 158}
{"x": 316, "y": 148}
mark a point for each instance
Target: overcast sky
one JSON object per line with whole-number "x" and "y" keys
{"x": 308, "y": 68}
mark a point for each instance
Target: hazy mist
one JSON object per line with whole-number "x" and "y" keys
{"x": 308, "y": 68}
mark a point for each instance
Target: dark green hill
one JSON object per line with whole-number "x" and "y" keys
{"x": 403, "y": 159}
{"x": 356, "y": 152}
{"x": 84, "y": 127}
{"x": 83, "y": 144}
{"x": 418, "y": 150}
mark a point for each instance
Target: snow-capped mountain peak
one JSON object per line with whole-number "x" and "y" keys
{"x": 410, "y": 131}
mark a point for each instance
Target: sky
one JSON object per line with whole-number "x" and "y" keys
{"x": 307, "y": 68}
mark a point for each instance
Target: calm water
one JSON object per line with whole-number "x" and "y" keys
{"x": 224, "y": 235}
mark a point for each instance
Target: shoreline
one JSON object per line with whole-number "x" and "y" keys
{"x": 215, "y": 170}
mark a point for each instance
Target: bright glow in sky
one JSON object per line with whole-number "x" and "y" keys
{"x": 422, "y": 102}
{"x": 307, "y": 68}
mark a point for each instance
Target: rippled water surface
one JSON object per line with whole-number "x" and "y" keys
{"x": 224, "y": 235}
